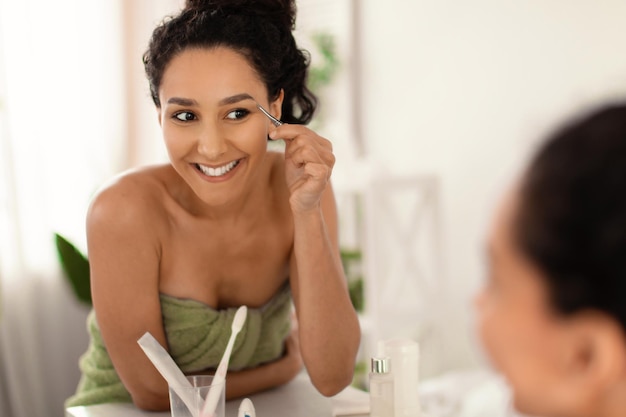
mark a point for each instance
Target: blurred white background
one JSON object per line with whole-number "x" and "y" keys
{"x": 456, "y": 93}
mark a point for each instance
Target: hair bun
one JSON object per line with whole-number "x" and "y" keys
{"x": 282, "y": 12}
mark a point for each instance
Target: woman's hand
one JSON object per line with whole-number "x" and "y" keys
{"x": 309, "y": 162}
{"x": 249, "y": 381}
{"x": 293, "y": 358}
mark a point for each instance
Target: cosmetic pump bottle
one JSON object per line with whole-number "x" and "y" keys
{"x": 381, "y": 388}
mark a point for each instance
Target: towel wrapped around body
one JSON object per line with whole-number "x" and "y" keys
{"x": 197, "y": 336}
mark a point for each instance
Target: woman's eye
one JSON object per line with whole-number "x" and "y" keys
{"x": 237, "y": 114}
{"x": 185, "y": 116}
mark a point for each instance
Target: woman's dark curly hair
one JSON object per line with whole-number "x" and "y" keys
{"x": 260, "y": 30}
{"x": 571, "y": 221}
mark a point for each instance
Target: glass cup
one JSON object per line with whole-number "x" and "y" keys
{"x": 188, "y": 401}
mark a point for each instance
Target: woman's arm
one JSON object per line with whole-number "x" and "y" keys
{"x": 124, "y": 257}
{"x": 271, "y": 375}
{"x": 328, "y": 324}
{"x": 329, "y": 327}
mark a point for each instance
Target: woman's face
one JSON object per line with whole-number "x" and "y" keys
{"x": 214, "y": 134}
{"x": 522, "y": 336}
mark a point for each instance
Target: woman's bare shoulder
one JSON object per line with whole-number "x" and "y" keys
{"x": 134, "y": 196}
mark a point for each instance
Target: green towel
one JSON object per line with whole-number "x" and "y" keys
{"x": 197, "y": 336}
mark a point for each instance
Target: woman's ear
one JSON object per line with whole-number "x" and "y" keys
{"x": 159, "y": 116}
{"x": 594, "y": 360}
{"x": 276, "y": 106}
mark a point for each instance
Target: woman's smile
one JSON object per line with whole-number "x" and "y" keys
{"x": 218, "y": 173}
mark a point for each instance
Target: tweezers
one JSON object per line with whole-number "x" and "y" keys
{"x": 274, "y": 120}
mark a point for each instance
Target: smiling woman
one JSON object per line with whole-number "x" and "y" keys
{"x": 175, "y": 248}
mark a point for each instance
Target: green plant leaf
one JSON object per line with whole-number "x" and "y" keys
{"x": 322, "y": 75}
{"x": 355, "y": 289}
{"x": 75, "y": 265}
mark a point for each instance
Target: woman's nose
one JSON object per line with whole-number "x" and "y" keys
{"x": 211, "y": 143}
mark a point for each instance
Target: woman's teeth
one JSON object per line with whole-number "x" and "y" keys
{"x": 219, "y": 171}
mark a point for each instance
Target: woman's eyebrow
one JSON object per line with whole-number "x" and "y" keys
{"x": 182, "y": 101}
{"x": 223, "y": 102}
{"x": 235, "y": 99}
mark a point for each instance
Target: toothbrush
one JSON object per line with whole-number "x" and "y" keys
{"x": 210, "y": 404}
{"x": 246, "y": 408}
{"x": 168, "y": 369}
{"x": 274, "y": 120}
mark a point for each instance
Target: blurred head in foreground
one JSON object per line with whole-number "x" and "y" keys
{"x": 552, "y": 315}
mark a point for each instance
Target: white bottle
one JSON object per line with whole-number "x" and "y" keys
{"x": 381, "y": 388}
{"x": 404, "y": 355}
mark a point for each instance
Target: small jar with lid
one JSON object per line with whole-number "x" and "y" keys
{"x": 381, "y": 388}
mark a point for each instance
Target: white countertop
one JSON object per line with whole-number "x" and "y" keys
{"x": 296, "y": 399}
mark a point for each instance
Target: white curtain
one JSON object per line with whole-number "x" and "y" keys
{"x": 62, "y": 118}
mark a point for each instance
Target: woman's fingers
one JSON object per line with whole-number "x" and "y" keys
{"x": 291, "y": 133}
{"x": 309, "y": 162}
{"x": 309, "y": 147}
{"x": 302, "y": 154}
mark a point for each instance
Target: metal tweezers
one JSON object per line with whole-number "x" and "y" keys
{"x": 274, "y": 120}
